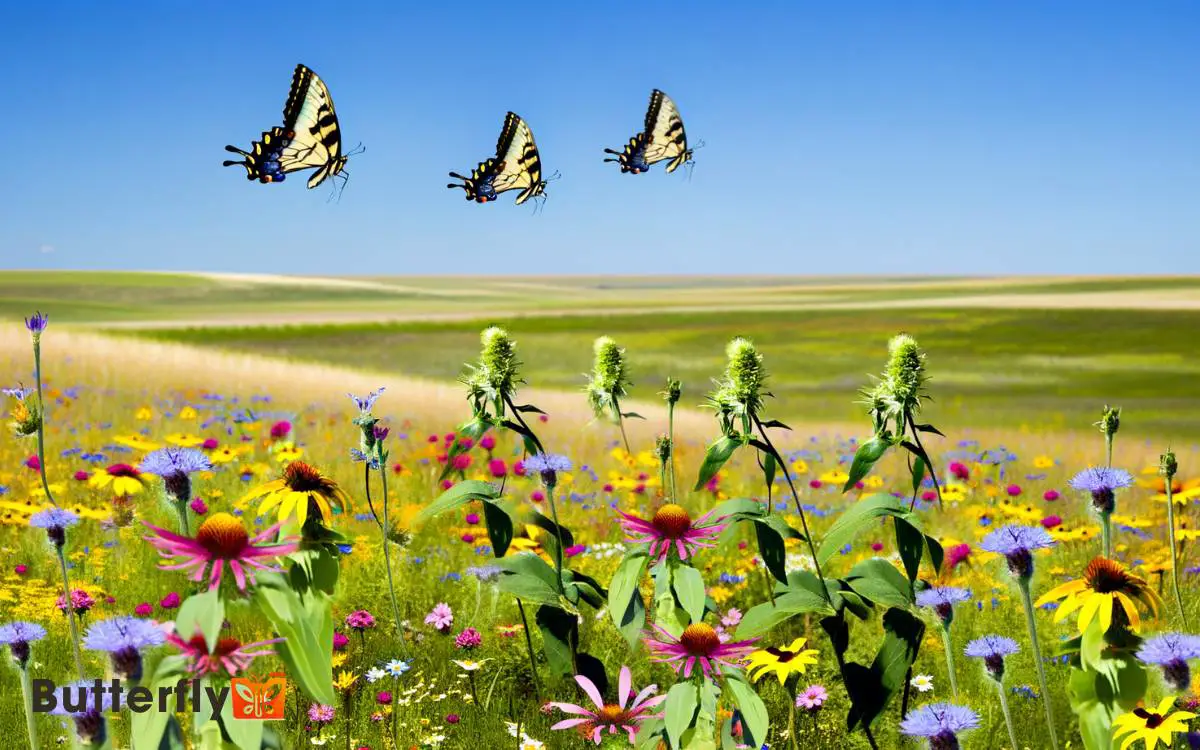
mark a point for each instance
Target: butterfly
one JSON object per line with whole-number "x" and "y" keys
{"x": 663, "y": 139}
{"x": 309, "y": 138}
{"x": 516, "y": 166}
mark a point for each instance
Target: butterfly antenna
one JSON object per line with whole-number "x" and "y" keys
{"x": 359, "y": 149}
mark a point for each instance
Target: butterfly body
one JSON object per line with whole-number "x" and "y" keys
{"x": 309, "y": 138}
{"x": 662, "y": 139}
{"x": 516, "y": 166}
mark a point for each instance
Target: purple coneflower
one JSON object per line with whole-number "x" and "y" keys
{"x": 17, "y": 636}
{"x": 623, "y": 715}
{"x": 1172, "y": 651}
{"x": 812, "y": 698}
{"x": 229, "y": 656}
{"x": 940, "y": 724}
{"x": 55, "y": 521}
{"x": 1017, "y": 544}
{"x": 124, "y": 638}
{"x": 221, "y": 540}
{"x": 698, "y": 644}
{"x": 672, "y": 527}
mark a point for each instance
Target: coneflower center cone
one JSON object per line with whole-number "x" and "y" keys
{"x": 699, "y": 639}
{"x": 300, "y": 477}
{"x": 1105, "y": 576}
{"x": 223, "y": 535}
{"x": 123, "y": 470}
{"x": 612, "y": 714}
{"x": 672, "y": 521}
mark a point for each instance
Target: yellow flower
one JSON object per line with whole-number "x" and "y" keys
{"x": 57, "y": 488}
{"x": 302, "y": 485}
{"x": 144, "y": 414}
{"x": 184, "y": 439}
{"x": 784, "y": 661}
{"x": 1152, "y": 727}
{"x": 834, "y": 476}
{"x": 287, "y": 452}
{"x": 720, "y": 594}
{"x": 1043, "y": 462}
{"x": 187, "y": 412}
{"x": 223, "y": 455}
{"x": 137, "y": 442}
{"x": 345, "y": 680}
{"x": 953, "y": 492}
{"x": 124, "y": 480}
{"x": 874, "y": 482}
{"x": 338, "y": 659}
{"x": 799, "y": 466}
{"x": 469, "y": 665}
{"x": 1105, "y": 585}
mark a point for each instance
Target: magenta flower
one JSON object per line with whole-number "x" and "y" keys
{"x": 230, "y": 656}
{"x": 319, "y": 713}
{"x": 1013, "y": 490}
{"x": 280, "y": 429}
{"x": 611, "y": 716}
{"x": 812, "y": 698}
{"x": 698, "y": 644}
{"x": 198, "y": 506}
{"x": 487, "y": 443}
{"x": 340, "y": 641}
{"x": 145, "y": 609}
{"x": 221, "y": 540}
{"x": 170, "y": 601}
{"x": 81, "y": 602}
{"x": 441, "y": 618}
{"x": 468, "y": 639}
{"x": 360, "y": 620}
{"x": 673, "y": 527}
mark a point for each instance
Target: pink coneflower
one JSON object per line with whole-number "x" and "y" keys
{"x": 814, "y": 483}
{"x": 1052, "y": 522}
{"x": 145, "y": 609}
{"x": 221, "y": 540}
{"x": 441, "y": 617}
{"x": 929, "y": 496}
{"x": 360, "y": 620}
{"x": 732, "y": 617}
{"x": 210, "y": 444}
{"x": 20, "y": 569}
{"x": 462, "y": 462}
{"x": 812, "y": 698}
{"x": 170, "y": 601}
{"x": 81, "y": 476}
{"x": 537, "y": 496}
{"x": 698, "y": 644}
{"x": 624, "y": 715}
{"x": 468, "y": 639}
{"x": 673, "y": 527}
{"x": 468, "y": 538}
{"x": 230, "y": 656}
{"x": 472, "y": 518}
{"x": 519, "y": 468}
{"x": 876, "y": 546}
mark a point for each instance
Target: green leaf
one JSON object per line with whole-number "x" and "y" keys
{"x": 590, "y": 589}
{"x": 149, "y": 728}
{"x": 864, "y": 458}
{"x": 528, "y": 577}
{"x": 855, "y": 603}
{"x": 928, "y": 428}
{"x": 560, "y": 629}
{"x": 632, "y": 415}
{"x": 911, "y": 544}
{"x": 768, "y": 466}
{"x": 667, "y": 614}
{"x": 550, "y": 541}
{"x": 689, "y": 587}
{"x": 856, "y": 518}
{"x": 918, "y": 473}
{"x": 937, "y": 554}
{"x": 680, "y": 710}
{"x": 715, "y": 457}
{"x": 754, "y": 712}
{"x": 457, "y": 496}
{"x": 767, "y": 615}
{"x": 202, "y": 613}
{"x": 307, "y": 629}
{"x": 775, "y": 423}
{"x": 499, "y": 526}
{"x": 838, "y": 630}
{"x": 871, "y": 689}
{"x": 247, "y": 734}
{"x": 625, "y": 604}
{"x": 740, "y": 509}
{"x": 878, "y": 580}
{"x": 771, "y": 533}
{"x": 528, "y": 409}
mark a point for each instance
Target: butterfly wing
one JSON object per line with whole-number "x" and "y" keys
{"x": 664, "y": 134}
{"x": 311, "y": 124}
{"x": 262, "y": 160}
{"x": 518, "y": 164}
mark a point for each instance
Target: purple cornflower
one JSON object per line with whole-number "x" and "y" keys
{"x": 1102, "y": 483}
{"x": 360, "y": 620}
{"x": 124, "y": 637}
{"x": 174, "y": 464}
{"x": 941, "y": 599}
{"x": 1017, "y": 544}
{"x": 940, "y": 724}
{"x": 1171, "y": 651}
{"x": 992, "y": 649}
{"x": 468, "y": 639}
{"x": 55, "y": 521}
{"x": 365, "y": 403}
{"x": 86, "y": 706}
{"x": 548, "y": 465}
{"x": 37, "y": 323}
{"x": 17, "y": 636}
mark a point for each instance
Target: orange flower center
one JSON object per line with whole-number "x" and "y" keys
{"x": 223, "y": 536}
{"x": 700, "y": 639}
{"x": 1106, "y": 576}
{"x": 225, "y": 646}
{"x": 611, "y": 714}
{"x": 300, "y": 477}
{"x": 672, "y": 521}
{"x": 123, "y": 470}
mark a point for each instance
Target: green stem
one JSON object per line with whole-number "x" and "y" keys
{"x": 1031, "y": 622}
{"x": 537, "y": 690}
{"x": 1012, "y": 734}
{"x": 181, "y": 514}
{"x": 1108, "y": 442}
{"x": 558, "y": 553}
{"x": 950, "y": 660}
{"x": 30, "y": 722}
{"x": 474, "y": 696}
{"x": 792, "y": 721}
{"x": 62, "y": 565}
{"x": 387, "y": 554}
{"x": 621, "y": 425}
{"x": 41, "y": 430}
{"x": 671, "y": 438}
{"x": 1106, "y": 534}
{"x": 1174, "y": 554}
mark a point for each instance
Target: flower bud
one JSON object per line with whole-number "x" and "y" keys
{"x": 1167, "y": 465}
{"x": 1110, "y": 420}
{"x": 662, "y": 449}
{"x": 609, "y": 381}
{"x": 498, "y": 361}
{"x": 673, "y": 391}
{"x": 905, "y": 374}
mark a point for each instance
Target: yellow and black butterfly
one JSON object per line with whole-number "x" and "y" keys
{"x": 663, "y": 139}
{"x": 516, "y": 166}
{"x": 309, "y": 138}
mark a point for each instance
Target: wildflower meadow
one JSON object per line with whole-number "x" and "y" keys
{"x": 629, "y": 564}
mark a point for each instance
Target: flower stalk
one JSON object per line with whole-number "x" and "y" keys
{"x": 62, "y": 566}
{"x": 1167, "y": 468}
{"x": 1031, "y": 624}
{"x": 30, "y": 717}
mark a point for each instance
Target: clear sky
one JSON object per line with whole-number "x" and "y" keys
{"x": 922, "y": 137}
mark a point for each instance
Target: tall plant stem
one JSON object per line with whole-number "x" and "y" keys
{"x": 950, "y": 661}
{"x": 387, "y": 555}
{"x": 1031, "y": 622}
{"x": 928, "y": 461}
{"x": 1106, "y": 534}
{"x": 41, "y": 430}
{"x": 671, "y": 438}
{"x": 1012, "y": 735}
{"x": 1174, "y": 554}
{"x": 181, "y": 514}
{"x": 62, "y": 566}
{"x": 1108, "y": 442}
{"x": 537, "y": 690}
{"x": 30, "y": 719}
{"x": 812, "y": 550}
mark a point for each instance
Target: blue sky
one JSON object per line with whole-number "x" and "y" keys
{"x": 920, "y": 137}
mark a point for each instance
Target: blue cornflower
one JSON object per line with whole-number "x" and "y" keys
{"x": 55, "y": 521}
{"x": 1102, "y": 483}
{"x": 1172, "y": 651}
{"x": 37, "y": 323}
{"x": 485, "y": 573}
{"x": 941, "y": 599}
{"x": 17, "y": 636}
{"x": 365, "y": 403}
{"x": 174, "y": 465}
{"x": 19, "y": 393}
{"x": 124, "y": 637}
{"x": 940, "y": 723}
{"x": 992, "y": 649}
{"x": 397, "y": 667}
{"x": 359, "y": 457}
{"x": 1017, "y": 544}
{"x": 86, "y": 706}
{"x": 548, "y": 465}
